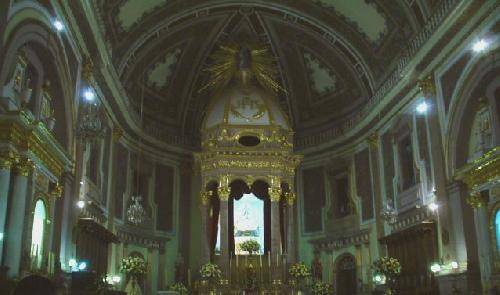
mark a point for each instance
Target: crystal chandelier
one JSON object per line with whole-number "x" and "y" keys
{"x": 135, "y": 212}
{"x": 89, "y": 126}
{"x": 389, "y": 214}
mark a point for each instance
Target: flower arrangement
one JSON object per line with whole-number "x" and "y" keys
{"x": 179, "y": 288}
{"x": 134, "y": 266}
{"x": 320, "y": 288}
{"x": 250, "y": 246}
{"x": 210, "y": 271}
{"x": 387, "y": 266}
{"x": 299, "y": 271}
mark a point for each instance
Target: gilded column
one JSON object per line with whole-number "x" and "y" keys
{"x": 6, "y": 161}
{"x": 223, "y": 191}
{"x": 16, "y": 215}
{"x": 275, "y": 194}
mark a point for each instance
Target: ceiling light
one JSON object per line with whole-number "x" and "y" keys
{"x": 80, "y": 204}
{"x": 89, "y": 94}
{"x": 58, "y": 25}
{"x": 422, "y": 107}
{"x": 433, "y": 206}
{"x": 480, "y": 45}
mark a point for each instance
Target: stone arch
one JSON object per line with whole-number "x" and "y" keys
{"x": 32, "y": 35}
{"x": 479, "y": 79}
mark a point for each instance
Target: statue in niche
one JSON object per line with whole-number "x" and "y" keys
{"x": 180, "y": 270}
{"x": 481, "y": 134}
{"x": 317, "y": 266}
{"x": 46, "y": 110}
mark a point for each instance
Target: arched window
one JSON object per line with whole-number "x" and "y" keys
{"x": 497, "y": 229}
{"x": 37, "y": 233}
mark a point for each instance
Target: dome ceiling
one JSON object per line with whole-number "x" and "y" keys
{"x": 332, "y": 54}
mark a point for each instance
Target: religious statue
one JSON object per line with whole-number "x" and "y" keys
{"x": 317, "y": 267}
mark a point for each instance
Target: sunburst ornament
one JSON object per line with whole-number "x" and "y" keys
{"x": 243, "y": 61}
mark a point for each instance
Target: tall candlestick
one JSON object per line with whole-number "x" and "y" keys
{"x": 269, "y": 259}
{"x": 236, "y": 260}
{"x": 260, "y": 261}
{"x": 189, "y": 277}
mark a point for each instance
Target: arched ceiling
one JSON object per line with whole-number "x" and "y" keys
{"x": 332, "y": 54}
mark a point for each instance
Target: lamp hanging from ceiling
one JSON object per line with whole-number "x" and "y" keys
{"x": 136, "y": 214}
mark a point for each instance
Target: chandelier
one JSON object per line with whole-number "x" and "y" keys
{"x": 389, "y": 214}
{"x": 135, "y": 212}
{"x": 89, "y": 126}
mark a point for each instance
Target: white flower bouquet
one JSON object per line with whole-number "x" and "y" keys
{"x": 320, "y": 288}
{"x": 210, "y": 271}
{"x": 387, "y": 266}
{"x": 299, "y": 271}
{"x": 134, "y": 266}
{"x": 179, "y": 287}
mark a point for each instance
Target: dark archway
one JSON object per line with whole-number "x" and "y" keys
{"x": 346, "y": 275}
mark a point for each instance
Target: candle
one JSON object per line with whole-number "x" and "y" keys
{"x": 260, "y": 261}
{"x": 236, "y": 261}
{"x": 189, "y": 277}
{"x": 269, "y": 258}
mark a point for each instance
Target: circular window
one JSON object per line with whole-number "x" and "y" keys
{"x": 249, "y": 140}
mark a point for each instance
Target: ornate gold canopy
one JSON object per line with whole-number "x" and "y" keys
{"x": 246, "y": 136}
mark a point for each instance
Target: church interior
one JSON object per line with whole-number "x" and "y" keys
{"x": 249, "y": 147}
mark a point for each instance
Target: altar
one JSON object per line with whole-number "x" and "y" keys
{"x": 247, "y": 169}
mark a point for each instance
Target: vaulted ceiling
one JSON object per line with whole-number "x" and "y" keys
{"x": 332, "y": 54}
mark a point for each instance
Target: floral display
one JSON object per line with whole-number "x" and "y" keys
{"x": 250, "y": 246}
{"x": 134, "y": 266}
{"x": 210, "y": 271}
{"x": 299, "y": 271}
{"x": 387, "y": 266}
{"x": 179, "y": 288}
{"x": 320, "y": 288}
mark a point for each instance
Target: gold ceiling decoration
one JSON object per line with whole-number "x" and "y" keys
{"x": 232, "y": 59}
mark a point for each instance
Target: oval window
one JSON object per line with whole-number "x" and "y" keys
{"x": 249, "y": 140}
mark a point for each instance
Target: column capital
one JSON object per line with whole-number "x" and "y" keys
{"x": 23, "y": 166}
{"x": 427, "y": 85}
{"x": 275, "y": 194}
{"x": 7, "y": 160}
{"x": 477, "y": 200}
{"x": 205, "y": 197}
{"x": 117, "y": 133}
{"x": 223, "y": 193}
{"x": 373, "y": 140}
{"x": 290, "y": 198}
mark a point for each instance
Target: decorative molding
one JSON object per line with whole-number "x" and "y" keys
{"x": 142, "y": 238}
{"x": 334, "y": 243}
{"x": 482, "y": 171}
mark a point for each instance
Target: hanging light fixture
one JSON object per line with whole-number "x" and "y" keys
{"x": 136, "y": 214}
{"x": 89, "y": 126}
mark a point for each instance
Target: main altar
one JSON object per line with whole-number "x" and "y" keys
{"x": 247, "y": 168}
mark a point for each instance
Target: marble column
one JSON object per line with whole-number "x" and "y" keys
{"x": 16, "y": 217}
{"x": 205, "y": 241}
{"x": 483, "y": 239}
{"x": 5, "y": 165}
{"x": 290, "y": 237}
{"x": 66, "y": 218}
{"x": 274, "y": 193}
{"x": 224, "y": 235}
